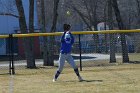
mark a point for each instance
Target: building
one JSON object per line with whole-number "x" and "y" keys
{"x": 10, "y": 25}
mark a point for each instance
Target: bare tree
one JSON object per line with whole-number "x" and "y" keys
{"x": 138, "y": 10}
{"x": 55, "y": 15}
{"x": 48, "y": 51}
{"x": 45, "y": 39}
{"x": 137, "y": 35}
{"x": 105, "y": 28}
{"x": 9, "y": 14}
{"x": 112, "y": 36}
{"x": 88, "y": 14}
{"x": 31, "y": 16}
{"x": 82, "y": 17}
{"x": 23, "y": 27}
{"x": 121, "y": 27}
{"x": 9, "y": 11}
{"x": 53, "y": 29}
{"x": 8, "y": 8}
{"x": 31, "y": 30}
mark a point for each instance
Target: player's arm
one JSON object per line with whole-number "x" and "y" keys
{"x": 72, "y": 38}
{"x": 62, "y": 38}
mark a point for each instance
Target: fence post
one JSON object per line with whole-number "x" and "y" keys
{"x": 80, "y": 52}
{"x": 11, "y": 55}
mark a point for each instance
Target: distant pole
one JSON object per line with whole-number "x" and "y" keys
{"x": 80, "y": 52}
{"x": 11, "y": 55}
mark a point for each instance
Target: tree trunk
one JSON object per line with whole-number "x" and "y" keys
{"x": 46, "y": 56}
{"x": 121, "y": 27}
{"x": 23, "y": 27}
{"x": 138, "y": 10}
{"x": 31, "y": 16}
{"x": 96, "y": 40}
{"x": 137, "y": 35}
{"x": 105, "y": 28}
{"x": 31, "y": 29}
{"x": 112, "y": 36}
{"x": 95, "y": 23}
{"x": 55, "y": 15}
{"x": 52, "y": 38}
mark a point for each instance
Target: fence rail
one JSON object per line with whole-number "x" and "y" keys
{"x": 73, "y": 32}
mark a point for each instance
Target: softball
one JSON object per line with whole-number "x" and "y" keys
{"x": 68, "y": 13}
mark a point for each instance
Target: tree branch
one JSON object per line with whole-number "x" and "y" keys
{"x": 9, "y": 14}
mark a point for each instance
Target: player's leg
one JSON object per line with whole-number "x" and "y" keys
{"x": 60, "y": 66}
{"x": 70, "y": 60}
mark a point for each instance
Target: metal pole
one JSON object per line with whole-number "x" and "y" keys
{"x": 9, "y": 45}
{"x": 80, "y": 52}
{"x": 12, "y": 68}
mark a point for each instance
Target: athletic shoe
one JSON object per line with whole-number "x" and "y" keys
{"x": 54, "y": 80}
{"x": 80, "y": 79}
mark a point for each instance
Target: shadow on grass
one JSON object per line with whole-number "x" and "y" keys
{"x": 4, "y": 74}
{"x": 134, "y": 62}
{"x": 97, "y": 81}
{"x": 92, "y": 81}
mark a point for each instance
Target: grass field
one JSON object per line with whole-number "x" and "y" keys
{"x": 124, "y": 78}
{"x": 100, "y": 77}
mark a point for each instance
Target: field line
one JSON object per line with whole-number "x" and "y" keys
{"x": 11, "y": 84}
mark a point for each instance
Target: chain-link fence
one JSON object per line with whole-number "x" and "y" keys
{"x": 4, "y": 63}
{"x": 84, "y": 51}
{"x": 100, "y": 59}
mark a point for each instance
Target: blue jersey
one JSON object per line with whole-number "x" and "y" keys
{"x": 67, "y": 41}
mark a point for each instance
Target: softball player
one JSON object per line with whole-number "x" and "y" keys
{"x": 67, "y": 40}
